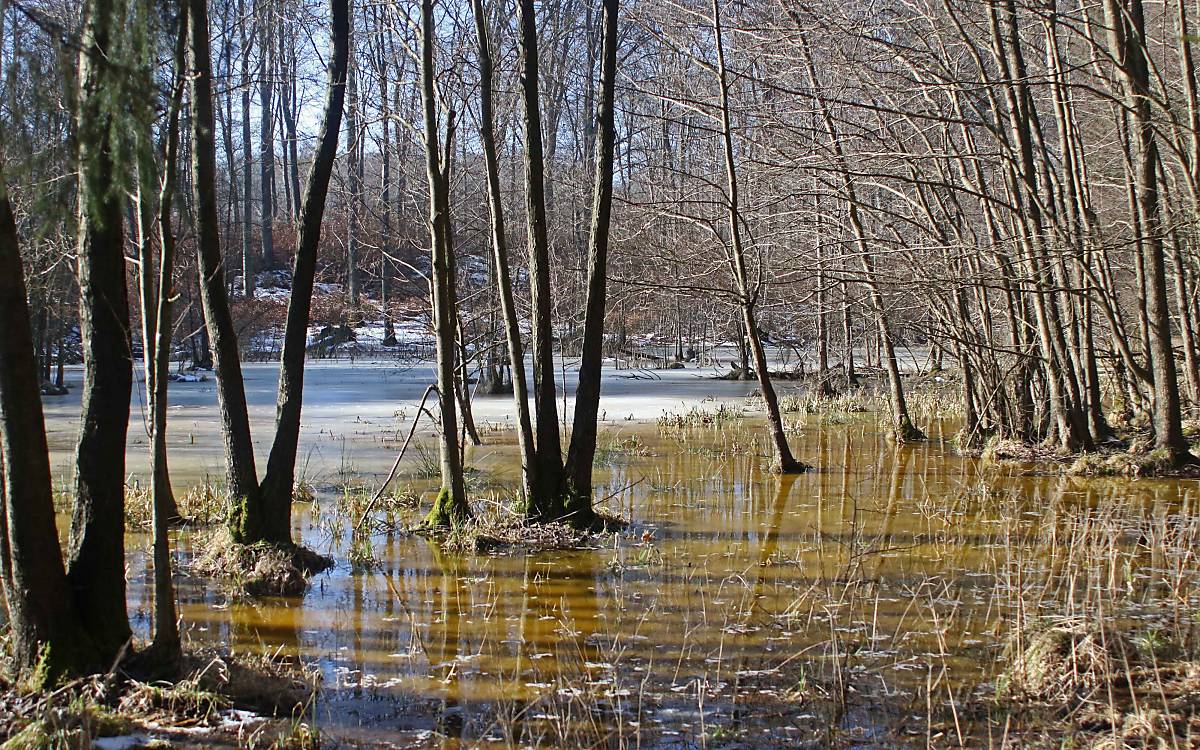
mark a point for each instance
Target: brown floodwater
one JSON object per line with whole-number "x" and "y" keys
{"x": 861, "y": 604}
{"x": 858, "y": 604}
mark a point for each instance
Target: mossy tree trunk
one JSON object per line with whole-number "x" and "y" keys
{"x": 260, "y": 513}
{"x": 96, "y": 556}
{"x": 41, "y": 611}
{"x": 450, "y": 506}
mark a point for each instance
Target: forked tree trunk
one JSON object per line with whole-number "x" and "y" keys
{"x": 512, "y": 330}
{"x": 582, "y": 451}
{"x": 241, "y": 477}
{"x": 274, "y": 520}
{"x": 96, "y": 567}
{"x": 546, "y": 502}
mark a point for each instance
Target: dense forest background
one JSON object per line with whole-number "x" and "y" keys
{"x": 1012, "y": 184}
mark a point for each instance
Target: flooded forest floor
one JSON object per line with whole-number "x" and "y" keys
{"x": 895, "y": 596}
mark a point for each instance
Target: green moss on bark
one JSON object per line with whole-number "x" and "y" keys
{"x": 446, "y": 512}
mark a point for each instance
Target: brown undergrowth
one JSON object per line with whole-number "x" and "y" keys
{"x": 260, "y": 569}
{"x": 192, "y": 710}
{"x": 1129, "y": 456}
{"x": 499, "y": 527}
{"x": 1103, "y": 687}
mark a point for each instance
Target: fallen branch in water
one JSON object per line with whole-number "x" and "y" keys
{"x": 392, "y": 474}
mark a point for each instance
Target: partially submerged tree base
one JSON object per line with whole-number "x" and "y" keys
{"x": 261, "y": 569}
{"x": 793, "y": 466}
{"x": 445, "y": 513}
{"x": 970, "y": 442}
{"x": 906, "y": 432}
{"x": 503, "y": 528}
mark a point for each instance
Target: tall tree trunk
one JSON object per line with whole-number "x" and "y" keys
{"x": 42, "y": 614}
{"x": 1127, "y": 35}
{"x": 783, "y": 461}
{"x": 902, "y": 428}
{"x": 582, "y": 451}
{"x": 546, "y": 503}
{"x": 847, "y": 336}
{"x": 512, "y": 330}
{"x": 166, "y": 643}
{"x": 150, "y": 206}
{"x": 248, "y": 264}
{"x": 96, "y": 567}
{"x": 450, "y": 507}
{"x": 289, "y": 109}
{"x": 387, "y": 241}
{"x": 241, "y": 476}
{"x": 354, "y": 180}
{"x": 1070, "y": 424}
{"x": 266, "y": 135}
{"x": 824, "y": 383}
{"x": 1187, "y": 326}
{"x": 274, "y": 524}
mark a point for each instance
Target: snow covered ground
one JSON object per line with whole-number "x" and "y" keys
{"x": 363, "y": 402}
{"x": 354, "y": 410}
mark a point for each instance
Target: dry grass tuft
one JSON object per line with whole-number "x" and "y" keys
{"x": 201, "y": 505}
{"x": 1063, "y": 660}
{"x": 80, "y": 712}
{"x": 1106, "y": 688}
{"x": 500, "y": 527}
{"x": 261, "y": 569}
